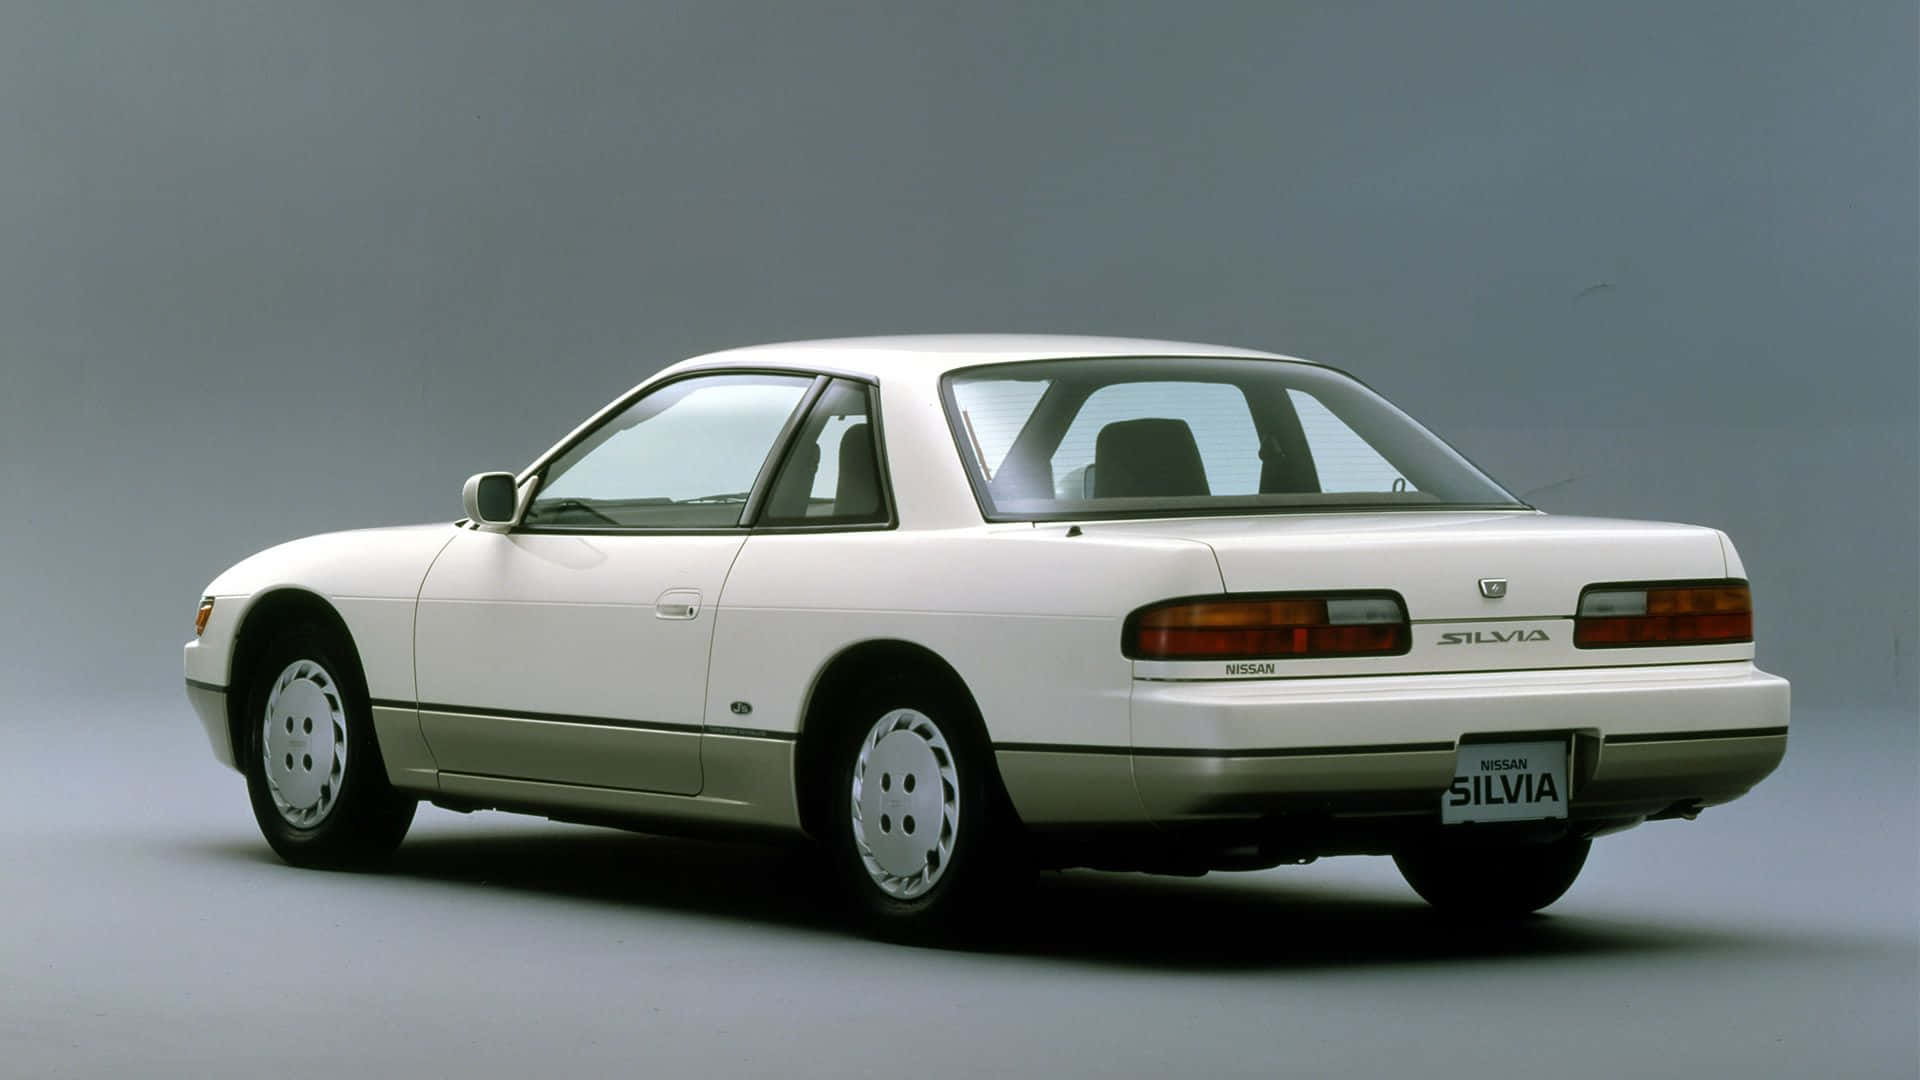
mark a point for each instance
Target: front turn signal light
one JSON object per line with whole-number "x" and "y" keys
{"x": 1268, "y": 627}
{"x": 1706, "y": 613}
{"x": 205, "y": 613}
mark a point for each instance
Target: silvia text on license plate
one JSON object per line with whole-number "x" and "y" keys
{"x": 1516, "y": 781}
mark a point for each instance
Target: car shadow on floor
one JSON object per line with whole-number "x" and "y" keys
{"x": 1222, "y": 922}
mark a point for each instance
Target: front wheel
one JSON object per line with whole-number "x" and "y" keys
{"x": 314, "y": 772}
{"x": 916, "y": 833}
{"x": 1483, "y": 880}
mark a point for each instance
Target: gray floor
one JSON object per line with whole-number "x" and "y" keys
{"x": 147, "y": 931}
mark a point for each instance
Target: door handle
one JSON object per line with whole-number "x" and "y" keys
{"x": 677, "y": 604}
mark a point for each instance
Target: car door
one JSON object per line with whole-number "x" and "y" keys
{"x": 573, "y": 647}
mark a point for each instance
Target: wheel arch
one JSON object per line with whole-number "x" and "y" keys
{"x": 268, "y": 611}
{"x": 839, "y": 682}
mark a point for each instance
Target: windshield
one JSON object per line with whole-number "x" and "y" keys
{"x": 1054, "y": 439}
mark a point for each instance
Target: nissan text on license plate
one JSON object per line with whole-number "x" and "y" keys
{"x": 1507, "y": 781}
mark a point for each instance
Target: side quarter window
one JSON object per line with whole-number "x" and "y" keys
{"x": 832, "y": 472}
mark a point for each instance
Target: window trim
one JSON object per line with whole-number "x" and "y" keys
{"x": 983, "y": 499}
{"x": 536, "y": 473}
{"x": 876, "y": 426}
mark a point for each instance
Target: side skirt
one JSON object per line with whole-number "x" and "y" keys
{"x": 748, "y": 794}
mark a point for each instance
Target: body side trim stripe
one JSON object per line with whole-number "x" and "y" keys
{"x": 551, "y": 718}
{"x": 1257, "y": 752}
{"x": 754, "y": 733}
{"x": 1690, "y": 736}
{"x": 593, "y": 721}
{"x": 565, "y": 785}
{"x": 198, "y": 685}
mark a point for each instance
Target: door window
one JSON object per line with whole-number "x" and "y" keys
{"x": 684, "y": 457}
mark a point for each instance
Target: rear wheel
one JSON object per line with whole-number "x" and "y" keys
{"x": 916, "y": 832}
{"x": 314, "y": 773}
{"x": 1481, "y": 880}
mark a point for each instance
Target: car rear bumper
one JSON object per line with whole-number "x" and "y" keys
{"x": 1615, "y": 778}
{"x": 1646, "y": 742}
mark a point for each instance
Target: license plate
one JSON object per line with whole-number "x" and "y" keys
{"x": 1508, "y": 781}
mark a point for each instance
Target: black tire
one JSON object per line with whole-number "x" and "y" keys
{"x": 366, "y": 818}
{"x": 986, "y": 861}
{"x": 1478, "y": 879}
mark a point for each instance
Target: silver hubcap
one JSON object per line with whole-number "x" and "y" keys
{"x": 906, "y": 803}
{"x": 304, "y": 743}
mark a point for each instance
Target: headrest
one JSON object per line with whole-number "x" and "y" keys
{"x": 1144, "y": 458}
{"x": 857, "y": 493}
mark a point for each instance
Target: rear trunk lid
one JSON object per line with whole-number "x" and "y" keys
{"x": 1534, "y": 566}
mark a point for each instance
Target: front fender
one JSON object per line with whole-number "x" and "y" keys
{"x": 370, "y": 577}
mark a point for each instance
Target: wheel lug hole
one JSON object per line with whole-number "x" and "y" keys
{"x": 306, "y": 762}
{"x": 886, "y": 823}
{"x": 907, "y": 824}
{"x": 289, "y": 725}
{"x": 886, "y": 781}
{"x": 907, "y": 784}
{"x": 289, "y": 762}
{"x": 307, "y": 725}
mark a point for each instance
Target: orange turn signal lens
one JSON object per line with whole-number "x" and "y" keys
{"x": 1715, "y": 613}
{"x": 205, "y": 613}
{"x": 1239, "y": 628}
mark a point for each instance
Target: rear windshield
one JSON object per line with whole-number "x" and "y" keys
{"x": 1128, "y": 437}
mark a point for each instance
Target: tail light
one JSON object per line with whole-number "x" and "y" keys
{"x": 1709, "y": 613}
{"x": 1268, "y": 627}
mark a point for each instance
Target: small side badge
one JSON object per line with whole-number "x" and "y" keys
{"x": 1493, "y": 588}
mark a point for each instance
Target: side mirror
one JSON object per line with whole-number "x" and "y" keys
{"x": 489, "y": 498}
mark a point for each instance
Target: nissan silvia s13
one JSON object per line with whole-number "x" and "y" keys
{"x": 947, "y": 605}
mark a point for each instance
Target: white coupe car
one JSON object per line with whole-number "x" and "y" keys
{"x": 949, "y": 605}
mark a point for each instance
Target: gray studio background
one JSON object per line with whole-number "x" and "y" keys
{"x": 270, "y": 270}
{"x": 273, "y": 269}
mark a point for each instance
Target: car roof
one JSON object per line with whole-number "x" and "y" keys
{"x": 925, "y": 355}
